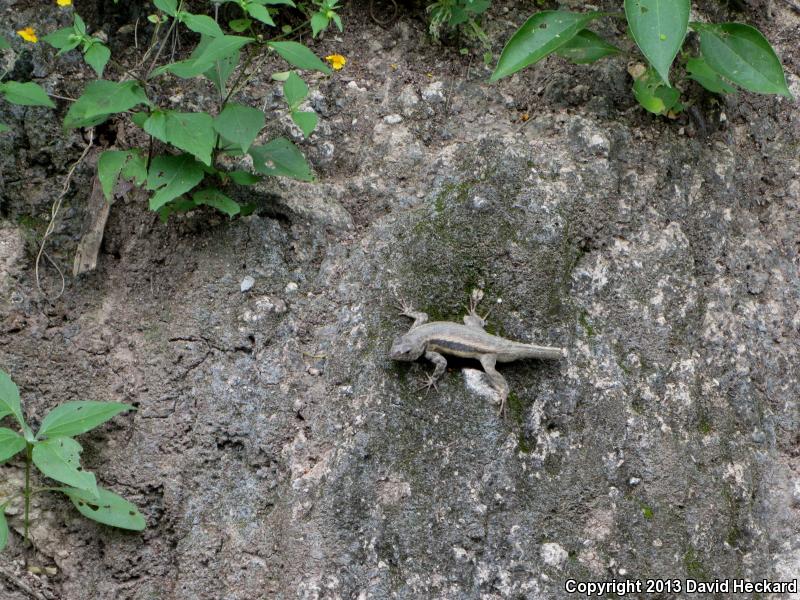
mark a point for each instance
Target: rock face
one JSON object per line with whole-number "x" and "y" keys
{"x": 278, "y": 453}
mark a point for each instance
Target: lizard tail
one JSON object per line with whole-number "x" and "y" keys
{"x": 545, "y": 352}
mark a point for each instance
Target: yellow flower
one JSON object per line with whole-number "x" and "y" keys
{"x": 28, "y": 34}
{"x": 337, "y": 61}
{"x": 64, "y": 2}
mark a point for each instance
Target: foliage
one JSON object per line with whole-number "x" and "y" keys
{"x": 54, "y": 452}
{"x": 463, "y": 16}
{"x": 729, "y": 53}
{"x": 187, "y": 173}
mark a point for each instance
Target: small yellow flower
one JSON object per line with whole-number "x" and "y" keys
{"x": 337, "y": 61}
{"x": 64, "y": 2}
{"x": 28, "y": 34}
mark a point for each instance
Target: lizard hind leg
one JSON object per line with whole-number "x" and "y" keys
{"x": 472, "y": 318}
{"x": 488, "y": 362}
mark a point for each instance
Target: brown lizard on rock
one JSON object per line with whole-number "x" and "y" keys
{"x": 469, "y": 340}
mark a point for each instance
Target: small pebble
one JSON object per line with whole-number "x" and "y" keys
{"x": 247, "y": 283}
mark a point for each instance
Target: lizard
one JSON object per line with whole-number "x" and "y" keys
{"x": 470, "y": 340}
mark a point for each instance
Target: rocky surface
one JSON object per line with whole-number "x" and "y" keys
{"x": 277, "y": 452}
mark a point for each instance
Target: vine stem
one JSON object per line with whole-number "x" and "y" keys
{"x": 28, "y": 460}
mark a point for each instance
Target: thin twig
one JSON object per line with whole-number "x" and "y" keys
{"x": 16, "y": 581}
{"x": 52, "y": 224}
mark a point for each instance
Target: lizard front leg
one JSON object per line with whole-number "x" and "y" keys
{"x": 488, "y": 361}
{"x": 473, "y": 319}
{"x": 408, "y": 311}
{"x": 441, "y": 364}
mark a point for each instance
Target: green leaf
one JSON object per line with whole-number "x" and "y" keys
{"x": 239, "y": 124}
{"x": 240, "y": 25}
{"x": 216, "y": 199}
{"x": 10, "y": 443}
{"x": 192, "y": 132}
{"x": 208, "y": 52}
{"x": 319, "y": 22}
{"x": 59, "y": 458}
{"x": 180, "y": 205}
{"x": 741, "y": 54}
{"x": 80, "y": 26}
{"x": 4, "y": 43}
{"x": 202, "y": 24}
{"x": 221, "y": 47}
{"x": 4, "y": 128}
{"x": 97, "y": 56}
{"x": 109, "y": 166}
{"x": 295, "y": 90}
{"x": 280, "y": 157}
{"x": 136, "y": 168}
{"x": 306, "y": 121}
{"x": 544, "y": 33}
{"x": 259, "y": 12}
{"x": 26, "y": 94}
{"x": 3, "y": 528}
{"x": 297, "y": 55}
{"x": 702, "y": 73}
{"x": 653, "y": 94}
{"x": 74, "y": 418}
{"x": 171, "y": 176}
{"x": 168, "y": 6}
{"x": 63, "y": 39}
{"x": 586, "y": 47}
{"x": 9, "y": 400}
{"x": 658, "y": 27}
{"x": 101, "y": 99}
{"x": 243, "y": 177}
{"x": 107, "y": 508}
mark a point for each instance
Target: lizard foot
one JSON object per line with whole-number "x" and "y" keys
{"x": 430, "y": 382}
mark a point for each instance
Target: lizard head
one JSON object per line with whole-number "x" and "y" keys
{"x": 403, "y": 350}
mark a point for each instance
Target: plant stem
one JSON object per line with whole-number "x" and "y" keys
{"x": 28, "y": 460}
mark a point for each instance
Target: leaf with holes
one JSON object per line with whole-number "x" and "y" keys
{"x": 741, "y": 54}
{"x": 107, "y": 508}
{"x": 10, "y": 443}
{"x": 653, "y": 94}
{"x": 239, "y": 124}
{"x": 59, "y": 458}
{"x": 25, "y": 94}
{"x": 586, "y": 47}
{"x": 658, "y": 27}
{"x": 544, "y": 33}
{"x": 192, "y": 132}
{"x": 297, "y": 55}
{"x": 74, "y": 418}
{"x": 702, "y": 73}
{"x": 171, "y": 176}
{"x": 214, "y": 198}
{"x": 101, "y": 99}
{"x": 280, "y": 157}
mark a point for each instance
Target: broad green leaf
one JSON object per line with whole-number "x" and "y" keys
{"x": 544, "y": 33}
{"x": 299, "y": 56}
{"x": 653, "y": 94}
{"x": 9, "y": 398}
{"x": 702, "y": 73}
{"x": 216, "y": 199}
{"x": 192, "y": 132}
{"x": 109, "y": 166}
{"x": 276, "y": 2}
{"x": 80, "y": 26}
{"x": 97, "y": 56}
{"x": 658, "y": 28}
{"x": 295, "y": 90}
{"x": 171, "y": 176}
{"x": 136, "y": 168}
{"x": 586, "y": 47}
{"x": 219, "y": 48}
{"x": 239, "y": 124}
{"x": 63, "y": 39}
{"x": 3, "y": 528}
{"x": 306, "y": 121}
{"x": 280, "y": 157}
{"x": 75, "y": 418}
{"x": 741, "y": 54}
{"x": 202, "y": 24}
{"x": 168, "y": 6}
{"x": 259, "y": 12}
{"x": 243, "y": 177}
{"x": 25, "y": 94}
{"x": 318, "y": 22}
{"x": 59, "y": 458}
{"x": 179, "y": 205}
{"x": 240, "y": 25}
{"x": 10, "y": 443}
{"x": 107, "y": 508}
{"x": 4, "y": 43}
{"x": 101, "y": 99}
{"x": 221, "y": 71}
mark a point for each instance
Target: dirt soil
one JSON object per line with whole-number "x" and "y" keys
{"x": 276, "y": 451}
